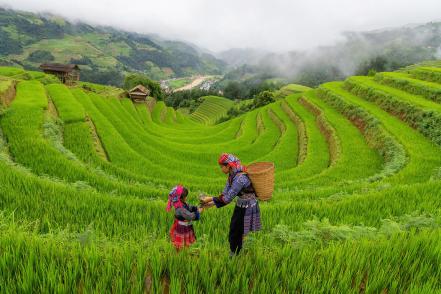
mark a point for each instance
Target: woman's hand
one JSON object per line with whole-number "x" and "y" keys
{"x": 208, "y": 199}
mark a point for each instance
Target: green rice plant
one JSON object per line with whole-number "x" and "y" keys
{"x": 22, "y": 125}
{"x": 351, "y": 142}
{"x": 419, "y": 113}
{"x": 289, "y": 90}
{"x": 135, "y": 135}
{"x": 404, "y": 82}
{"x": 103, "y": 266}
{"x": 105, "y": 90}
{"x": 301, "y": 132}
{"x": 84, "y": 184}
{"x": 317, "y": 156}
{"x": 124, "y": 156}
{"x": 326, "y": 129}
{"x": 211, "y": 109}
{"x": 157, "y": 112}
{"x": 431, "y": 74}
{"x": 10, "y": 71}
{"x": 422, "y": 154}
{"x": 393, "y": 153}
{"x": 286, "y": 150}
{"x": 67, "y": 106}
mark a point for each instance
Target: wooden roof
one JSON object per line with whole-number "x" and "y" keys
{"x": 138, "y": 93}
{"x": 59, "y": 67}
{"x": 139, "y": 90}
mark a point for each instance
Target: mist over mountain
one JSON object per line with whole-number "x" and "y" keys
{"x": 393, "y": 48}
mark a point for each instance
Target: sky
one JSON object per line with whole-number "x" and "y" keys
{"x": 274, "y": 25}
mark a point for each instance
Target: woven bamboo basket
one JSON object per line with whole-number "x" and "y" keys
{"x": 262, "y": 177}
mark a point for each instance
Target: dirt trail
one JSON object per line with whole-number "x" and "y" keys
{"x": 8, "y": 95}
{"x": 196, "y": 82}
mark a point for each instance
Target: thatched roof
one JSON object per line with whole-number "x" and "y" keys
{"x": 139, "y": 90}
{"x": 59, "y": 67}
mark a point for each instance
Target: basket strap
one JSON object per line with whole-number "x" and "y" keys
{"x": 251, "y": 182}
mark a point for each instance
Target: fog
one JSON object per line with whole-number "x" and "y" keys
{"x": 276, "y": 25}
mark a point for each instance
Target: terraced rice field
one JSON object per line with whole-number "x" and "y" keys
{"x": 211, "y": 109}
{"x": 84, "y": 181}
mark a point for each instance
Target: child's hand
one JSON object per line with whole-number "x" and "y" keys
{"x": 207, "y": 205}
{"x": 200, "y": 209}
{"x": 201, "y": 198}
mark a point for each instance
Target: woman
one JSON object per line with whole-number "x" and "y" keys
{"x": 246, "y": 216}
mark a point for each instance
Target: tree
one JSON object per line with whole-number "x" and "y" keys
{"x": 312, "y": 74}
{"x": 106, "y": 77}
{"x": 264, "y": 98}
{"x": 84, "y": 60}
{"x": 377, "y": 63}
{"x": 235, "y": 90}
{"x": 133, "y": 80}
{"x": 183, "y": 98}
{"x": 41, "y": 56}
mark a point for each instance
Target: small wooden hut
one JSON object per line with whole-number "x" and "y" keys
{"x": 68, "y": 74}
{"x": 139, "y": 93}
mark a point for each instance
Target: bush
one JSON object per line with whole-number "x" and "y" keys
{"x": 372, "y": 72}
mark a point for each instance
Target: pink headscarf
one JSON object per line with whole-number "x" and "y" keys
{"x": 174, "y": 197}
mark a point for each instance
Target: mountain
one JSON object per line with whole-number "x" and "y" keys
{"x": 104, "y": 54}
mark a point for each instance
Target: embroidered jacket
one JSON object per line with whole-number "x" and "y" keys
{"x": 187, "y": 213}
{"x": 237, "y": 185}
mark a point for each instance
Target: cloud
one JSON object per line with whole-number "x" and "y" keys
{"x": 218, "y": 25}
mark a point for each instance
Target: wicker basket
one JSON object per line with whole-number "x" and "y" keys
{"x": 262, "y": 177}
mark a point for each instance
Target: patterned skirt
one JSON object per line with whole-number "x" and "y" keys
{"x": 251, "y": 221}
{"x": 182, "y": 235}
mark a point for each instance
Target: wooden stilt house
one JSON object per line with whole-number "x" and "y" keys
{"x": 68, "y": 74}
{"x": 139, "y": 93}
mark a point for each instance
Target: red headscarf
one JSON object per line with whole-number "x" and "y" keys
{"x": 174, "y": 197}
{"x": 232, "y": 161}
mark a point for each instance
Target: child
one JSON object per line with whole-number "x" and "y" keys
{"x": 182, "y": 233}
